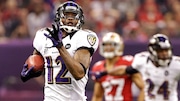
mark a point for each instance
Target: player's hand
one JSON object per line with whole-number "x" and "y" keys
{"x": 55, "y": 35}
{"x": 97, "y": 75}
{"x": 27, "y": 74}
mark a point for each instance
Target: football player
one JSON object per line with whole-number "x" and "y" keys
{"x": 114, "y": 88}
{"x": 67, "y": 51}
{"x": 159, "y": 67}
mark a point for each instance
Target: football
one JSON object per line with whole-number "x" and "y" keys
{"x": 35, "y": 61}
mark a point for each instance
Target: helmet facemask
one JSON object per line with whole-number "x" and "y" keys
{"x": 70, "y": 7}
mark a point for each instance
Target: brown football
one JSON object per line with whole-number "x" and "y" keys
{"x": 36, "y": 61}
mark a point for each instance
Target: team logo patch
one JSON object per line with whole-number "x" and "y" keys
{"x": 91, "y": 39}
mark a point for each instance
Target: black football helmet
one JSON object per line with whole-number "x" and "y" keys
{"x": 73, "y": 7}
{"x": 160, "y": 42}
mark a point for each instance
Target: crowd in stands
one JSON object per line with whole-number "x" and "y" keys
{"x": 134, "y": 19}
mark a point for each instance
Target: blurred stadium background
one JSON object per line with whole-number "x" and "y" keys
{"x": 134, "y": 20}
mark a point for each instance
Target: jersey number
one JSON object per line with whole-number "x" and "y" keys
{"x": 60, "y": 77}
{"x": 163, "y": 89}
{"x": 113, "y": 89}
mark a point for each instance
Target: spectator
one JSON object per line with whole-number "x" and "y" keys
{"x": 38, "y": 17}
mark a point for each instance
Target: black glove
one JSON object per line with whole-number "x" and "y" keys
{"x": 97, "y": 75}
{"x": 27, "y": 74}
{"x": 55, "y": 35}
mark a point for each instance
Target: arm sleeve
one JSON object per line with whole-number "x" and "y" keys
{"x": 89, "y": 41}
{"x": 40, "y": 40}
{"x": 130, "y": 70}
{"x": 140, "y": 59}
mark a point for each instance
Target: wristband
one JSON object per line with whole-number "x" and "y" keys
{"x": 59, "y": 45}
{"x": 104, "y": 73}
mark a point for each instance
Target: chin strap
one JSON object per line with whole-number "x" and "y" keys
{"x": 69, "y": 29}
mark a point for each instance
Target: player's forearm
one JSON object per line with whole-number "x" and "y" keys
{"x": 137, "y": 79}
{"x": 141, "y": 95}
{"x": 97, "y": 99}
{"x": 97, "y": 96}
{"x": 74, "y": 67}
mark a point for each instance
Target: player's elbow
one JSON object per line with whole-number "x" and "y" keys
{"x": 78, "y": 77}
{"x": 97, "y": 97}
{"x": 141, "y": 87}
{"x": 79, "y": 72}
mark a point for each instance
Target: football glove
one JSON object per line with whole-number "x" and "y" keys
{"x": 55, "y": 35}
{"x": 27, "y": 74}
{"x": 97, "y": 75}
